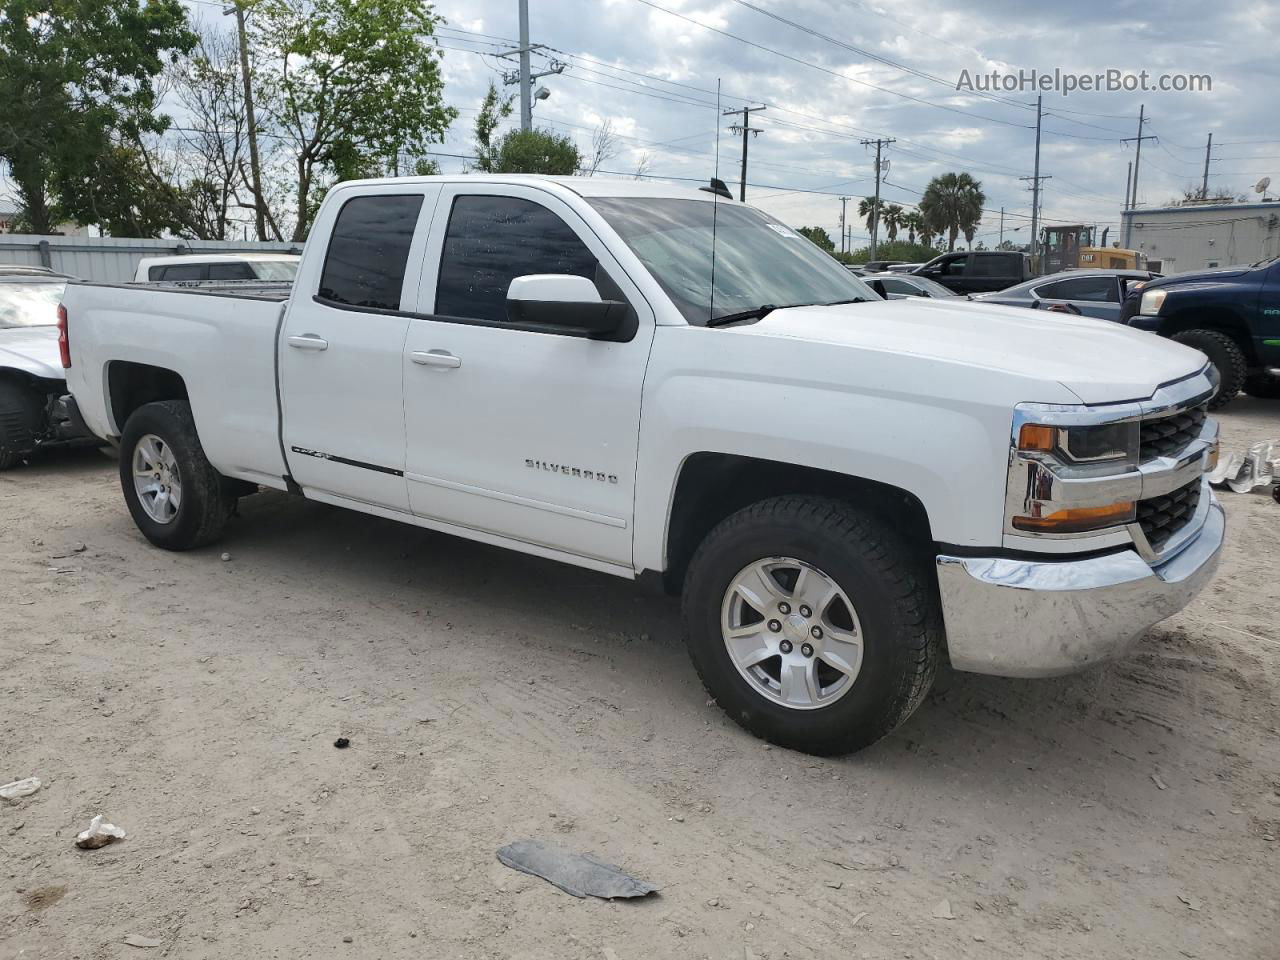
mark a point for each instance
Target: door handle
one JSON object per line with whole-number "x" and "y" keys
{"x": 436, "y": 358}
{"x": 308, "y": 341}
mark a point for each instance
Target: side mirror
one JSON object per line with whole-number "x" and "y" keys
{"x": 564, "y": 302}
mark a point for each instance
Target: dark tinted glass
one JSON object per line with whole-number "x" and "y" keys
{"x": 182, "y": 271}
{"x": 491, "y": 241}
{"x": 369, "y": 250}
{"x": 956, "y": 267}
{"x": 230, "y": 271}
{"x": 1081, "y": 288}
{"x": 892, "y": 285}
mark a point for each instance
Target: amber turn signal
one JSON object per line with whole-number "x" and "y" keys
{"x": 1079, "y": 519}
{"x": 1034, "y": 436}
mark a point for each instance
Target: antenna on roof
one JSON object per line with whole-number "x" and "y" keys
{"x": 719, "y": 188}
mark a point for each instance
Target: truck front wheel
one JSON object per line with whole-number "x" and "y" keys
{"x": 1226, "y": 356}
{"x": 808, "y": 624}
{"x": 176, "y": 497}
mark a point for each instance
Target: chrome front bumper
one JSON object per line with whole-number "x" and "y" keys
{"x": 1030, "y": 618}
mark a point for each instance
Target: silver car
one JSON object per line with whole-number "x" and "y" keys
{"x": 896, "y": 286}
{"x": 33, "y": 386}
{"x": 1092, "y": 293}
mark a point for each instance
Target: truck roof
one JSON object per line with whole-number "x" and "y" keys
{"x": 216, "y": 257}
{"x": 583, "y": 186}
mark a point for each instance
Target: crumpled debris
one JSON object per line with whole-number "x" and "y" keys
{"x": 99, "y": 834}
{"x": 575, "y": 873}
{"x": 1242, "y": 472}
{"x": 20, "y": 788}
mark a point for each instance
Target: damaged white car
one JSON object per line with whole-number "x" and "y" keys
{"x": 33, "y": 386}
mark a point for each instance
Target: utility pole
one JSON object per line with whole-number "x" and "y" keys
{"x": 526, "y": 82}
{"x": 1035, "y": 191}
{"x": 875, "y": 211}
{"x": 844, "y": 202}
{"x": 745, "y": 128}
{"x": 1137, "y": 161}
{"x": 1204, "y": 185}
{"x": 255, "y": 167}
{"x": 1128, "y": 178}
{"x": 524, "y": 76}
{"x": 1001, "y": 247}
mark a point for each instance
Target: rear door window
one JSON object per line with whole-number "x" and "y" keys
{"x": 369, "y": 251}
{"x": 1096, "y": 289}
{"x": 181, "y": 271}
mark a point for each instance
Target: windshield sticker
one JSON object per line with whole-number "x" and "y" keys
{"x": 783, "y": 231}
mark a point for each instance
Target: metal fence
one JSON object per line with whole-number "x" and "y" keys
{"x": 114, "y": 259}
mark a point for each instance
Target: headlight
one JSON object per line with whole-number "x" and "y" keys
{"x": 1046, "y": 455}
{"x": 1152, "y": 301}
{"x": 1115, "y": 444}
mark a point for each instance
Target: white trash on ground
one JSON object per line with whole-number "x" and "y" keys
{"x": 20, "y": 788}
{"x": 99, "y": 834}
{"x": 1242, "y": 472}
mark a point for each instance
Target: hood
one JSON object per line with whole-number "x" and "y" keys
{"x": 1201, "y": 276}
{"x": 32, "y": 350}
{"x": 1099, "y": 361}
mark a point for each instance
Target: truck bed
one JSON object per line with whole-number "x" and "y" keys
{"x": 222, "y": 343}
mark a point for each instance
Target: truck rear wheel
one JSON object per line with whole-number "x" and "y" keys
{"x": 807, "y": 623}
{"x": 176, "y": 497}
{"x": 21, "y": 420}
{"x": 1226, "y": 356}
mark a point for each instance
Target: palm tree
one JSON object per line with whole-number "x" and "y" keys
{"x": 952, "y": 204}
{"x": 911, "y": 220}
{"x": 867, "y": 210}
{"x": 892, "y": 217}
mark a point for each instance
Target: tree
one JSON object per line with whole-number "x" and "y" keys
{"x": 77, "y": 81}
{"x": 819, "y": 236}
{"x": 494, "y": 108}
{"x": 867, "y": 209}
{"x": 604, "y": 147}
{"x": 348, "y": 85}
{"x": 892, "y": 219}
{"x": 911, "y": 220}
{"x": 535, "y": 151}
{"x": 951, "y": 204}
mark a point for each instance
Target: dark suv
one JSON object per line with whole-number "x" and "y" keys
{"x": 977, "y": 271}
{"x": 1232, "y": 315}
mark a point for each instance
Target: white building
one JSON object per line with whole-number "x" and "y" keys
{"x": 1199, "y": 236}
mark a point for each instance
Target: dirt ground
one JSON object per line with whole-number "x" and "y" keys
{"x": 1128, "y": 813}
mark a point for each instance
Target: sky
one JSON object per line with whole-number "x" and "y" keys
{"x": 847, "y": 70}
{"x": 860, "y": 69}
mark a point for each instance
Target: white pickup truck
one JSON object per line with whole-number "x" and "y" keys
{"x": 665, "y": 385}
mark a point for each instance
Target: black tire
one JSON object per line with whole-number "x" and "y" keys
{"x": 898, "y": 612}
{"x": 1226, "y": 356}
{"x": 206, "y": 504}
{"x": 21, "y": 422}
{"x": 1264, "y": 386}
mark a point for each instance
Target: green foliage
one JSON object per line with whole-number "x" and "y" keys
{"x": 951, "y": 205}
{"x": 894, "y": 250}
{"x": 76, "y": 81}
{"x": 819, "y": 236}
{"x": 535, "y": 151}
{"x": 493, "y": 110}
{"x": 349, "y": 84}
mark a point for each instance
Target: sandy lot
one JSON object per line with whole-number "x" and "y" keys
{"x": 489, "y": 697}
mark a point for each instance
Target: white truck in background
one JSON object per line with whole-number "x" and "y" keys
{"x": 662, "y": 384}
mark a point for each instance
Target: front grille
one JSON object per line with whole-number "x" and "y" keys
{"x": 1169, "y": 436}
{"x": 1162, "y": 517}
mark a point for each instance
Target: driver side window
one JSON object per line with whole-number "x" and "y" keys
{"x": 492, "y": 240}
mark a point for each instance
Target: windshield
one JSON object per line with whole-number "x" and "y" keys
{"x": 275, "y": 269}
{"x": 33, "y": 304}
{"x": 758, "y": 261}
